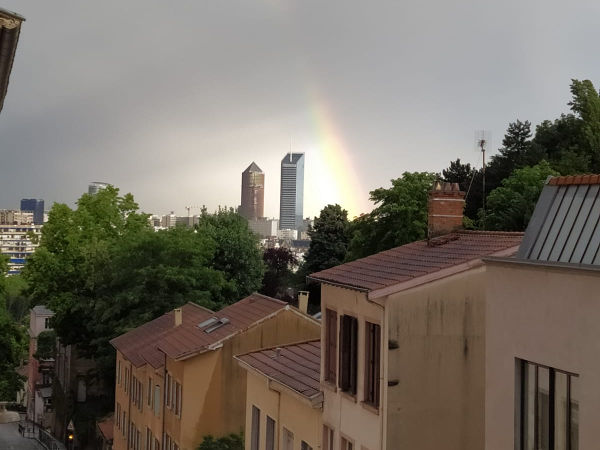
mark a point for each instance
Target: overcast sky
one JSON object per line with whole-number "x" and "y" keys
{"x": 172, "y": 100}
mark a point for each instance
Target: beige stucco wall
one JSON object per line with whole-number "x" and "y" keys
{"x": 439, "y": 365}
{"x": 346, "y": 415}
{"x": 548, "y": 316}
{"x": 286, "y": 409}
{"x": 214, "y": 385}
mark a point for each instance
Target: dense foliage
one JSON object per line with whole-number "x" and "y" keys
{"x": 279, "y": 263}
{"x": 103, "y": 270}
{"x": 230, "y": 442}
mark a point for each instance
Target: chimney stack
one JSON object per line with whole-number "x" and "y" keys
{"x": 178, "y": 316}
{"x": 303, "y": 301}
{"x": 445, "y": 209}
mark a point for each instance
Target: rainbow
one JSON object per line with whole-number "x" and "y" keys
{"x": 337, "y": 179}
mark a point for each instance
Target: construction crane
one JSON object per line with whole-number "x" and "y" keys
{"x": 189, "y": 208}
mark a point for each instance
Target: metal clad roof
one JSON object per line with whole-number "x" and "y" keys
{"x": 565, "y": 226}
{"x": 296, "y": 366}
{"x": 418, "y": 259}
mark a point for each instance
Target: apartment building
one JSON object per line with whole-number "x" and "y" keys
{"x": 176, "y": 379}
{"x": 19, "y": 237}
{"x": 284, "y": 400}
{"x": 39, "y": 370}
{"x": 542, "y": 339}
{"x": 403, "y": 339}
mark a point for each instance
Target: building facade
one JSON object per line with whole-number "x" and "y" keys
{"x": 542, "y": 336}
{"x": 176, "y": 379}
{"x": 40, "y": 370}
{"x": 403, "y": 339}
{"x": 96, "y": 186}
{"x": 284, "y": 401}
{"x": 252, "y": 205}
{"x": 291, "y": 198}
{"x": 18, "y": 241}
{"x": 36, "y": 206}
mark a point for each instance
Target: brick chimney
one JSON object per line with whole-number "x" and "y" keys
{"x": 445, "y": 209}
{"x": 178, "y": 313}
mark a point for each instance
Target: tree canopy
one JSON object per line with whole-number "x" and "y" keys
{"x": 279, "y": 263}
{"x": 103, "y": 270}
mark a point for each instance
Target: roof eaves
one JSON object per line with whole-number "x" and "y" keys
{"x": 437, "y": 275}
{"x": 315, "y": 401}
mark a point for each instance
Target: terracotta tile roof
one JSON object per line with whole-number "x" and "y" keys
{"x": 296, "y": 366}
{"x": 106, "y": 428}
{"x": 146, "y": 343}
{"x": 574, "y": 179}
{"x": 418, "y": 259}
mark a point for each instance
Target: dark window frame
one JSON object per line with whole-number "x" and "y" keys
{"x": 521, "y": 390}
{"x": 255, "y": 430}
{"x": 372, "y": 363}
{"x": 330, "y": 370}
{"x": 348, "y": 354}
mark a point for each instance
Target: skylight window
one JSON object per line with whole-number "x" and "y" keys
{"x": 217, "y": 325}
{"x": 208, "y": 322}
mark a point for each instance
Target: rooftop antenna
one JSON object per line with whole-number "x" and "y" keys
{"x": 482, "y": 142}
{"x": 290, "y": 148}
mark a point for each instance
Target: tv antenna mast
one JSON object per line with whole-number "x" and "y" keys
{"x": 482, "y": 142}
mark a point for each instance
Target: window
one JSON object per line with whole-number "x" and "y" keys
{"x": 149, "y": 391}
{"x": 330, "y": 345}
{"x": 124, "y": 423}
{"x": 149, "y": 438}
{"x": 119, "y": 372}
{"x": 348, "y": 353}
{"x": 255, "y": 432}
{"x": 168, "y": 391}
{"x": 288, "y": 440}
{"x": 548, "y": 408}
{"x": 157, "y": 400}
{"x": 372, "y": 362}
{"x": 47, "y": 323}
{"x": 305, "y": 446}
{"x": 156, "y": 444}
{"x": 126, "y": 378}
{"x": 118, "y": 414}
{"x": 346, "y": 444}
{"x": 327, "y": 438}
{"x": 177, "y": 399}
{"x": 270, "y": 445}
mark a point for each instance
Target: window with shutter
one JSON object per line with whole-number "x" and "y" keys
{"x": 372, "y": 362}
{"x": 255, "y": 436}
{"x": 348, "y": 353}
{"x": 330, "y": 345}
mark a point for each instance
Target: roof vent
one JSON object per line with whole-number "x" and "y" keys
{"x": 218, "y": 324}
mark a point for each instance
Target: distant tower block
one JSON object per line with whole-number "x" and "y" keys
{"x": 291, "y": 199}
{"x": 96, "y": 186}
{"x": 253, "y": 193}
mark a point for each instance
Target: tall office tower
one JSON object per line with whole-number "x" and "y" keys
{"x": 291, "y": 198}
{"x": 36, "y": 206}
{"x": 96, "y": 186}
{"x": 253, "y": 193}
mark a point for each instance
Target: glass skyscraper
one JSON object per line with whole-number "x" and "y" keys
{"x": 36, "y": 206}
{"x": 291, "y": 198}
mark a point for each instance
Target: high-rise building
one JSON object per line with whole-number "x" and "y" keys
{"x": 291, "y": 199}
{"x": 253, "y": 193}
{"x": 96, "y": 186}
{"x": 36, "y": 206}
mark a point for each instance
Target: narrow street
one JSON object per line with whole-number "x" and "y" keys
{"x": 10, "y": 439}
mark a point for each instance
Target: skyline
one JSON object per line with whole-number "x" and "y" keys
{"x": 383, "y": 88}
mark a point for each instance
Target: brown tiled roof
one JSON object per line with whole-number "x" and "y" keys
{"x": 574, "y": 179}
{"x": 418, "y": 259}
{"x": 148, "y": 343}
{"x": 296, "y": 366}
{"x": 106, "y": 428}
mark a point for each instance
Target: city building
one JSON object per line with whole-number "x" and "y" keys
{"x": 403, "y": 338}
{"x": 252, "y": 206}
{"x": 18, "y": 239}
{"x": 169, "y": 220}
{"x": 542, "y": 334}
{"x": 96, "y": 186}
{"x": 10, "y": 28}
{"x": 287, "y": 234}
{"x": 36, "y": 206}
{"x": 284, "y": 401}
{"x": 176, "y": 379}
{"x": 263, "y": 227}
{"x": 291, "y": 198}
{"x": 40, "y": 370}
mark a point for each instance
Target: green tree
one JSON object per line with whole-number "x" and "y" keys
{"x": 13, "y": 344}
{"x": 230, "y": 442}
{"x": 278, "y": 276}
{"x": 329, "y": 239}
{"x": 400, "y": 216}
{"x": 510, "y": 206}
